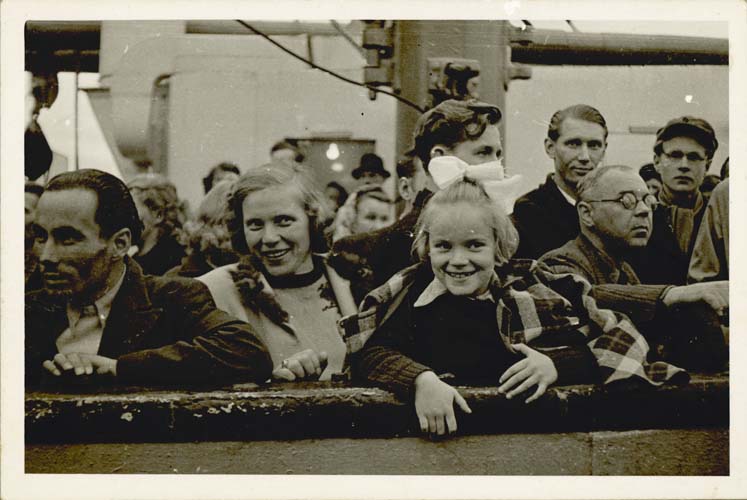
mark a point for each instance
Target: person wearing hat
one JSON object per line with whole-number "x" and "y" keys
{"x": 651, "y": 177}
{"x": 683, "y": 152}
{"x": 371, "y": 171}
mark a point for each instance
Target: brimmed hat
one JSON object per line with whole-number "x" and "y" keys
{"x": 370, "y": 163}
{"x": 689, "y": 126}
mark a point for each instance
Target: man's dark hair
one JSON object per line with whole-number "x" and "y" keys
{"x": 207, "y": 181}
{"x": 578, "y": 111}
{"x": 710, "y": 181}
{"x": 33, "y": 188}
{"x": 724, "y": 173}
{"x": 648, "y": 172}
{"x": 450, "y": 123}
{"x": 115, "y": 208}
{"x": 406, "y": 167}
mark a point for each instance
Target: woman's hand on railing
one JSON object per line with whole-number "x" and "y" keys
{"x": 303, "y": 365}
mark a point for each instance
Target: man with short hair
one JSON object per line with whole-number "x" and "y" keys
{"x": 98, "y": 313}
{"x": 615, "y": 214}
{"x": 410, "y": 181}
{"x": 546, "y": 217}
{"x": 467, "y": 130}
{"x": 683, "y": 152}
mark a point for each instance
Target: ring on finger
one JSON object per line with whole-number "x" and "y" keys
{"x": 284, "y": 364}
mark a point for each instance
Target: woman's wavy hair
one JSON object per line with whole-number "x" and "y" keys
{"x": 274, "y": 175}
{"x": 208, "y": 234}
{"x": 159, "y": 195}
{"x": 471, "y": 192}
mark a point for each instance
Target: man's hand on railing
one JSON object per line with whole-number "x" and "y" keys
{"x": 81, "y": 364}
{"x": 713, "y": 293}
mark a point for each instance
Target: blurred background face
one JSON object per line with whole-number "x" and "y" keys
{"x": 682, "y": 164}
{"x": 371, "y": 179}
{"x": 284, "y": 155}
{"x": 333, "y": 195}
{"x": 654, "y": 187}
{"x": 372, "y": 214}
{"x": 577, "y": 151}
{"x": 30, "y": 201}
{"x": 149, "y": 217}
{"x": 618, "y": 226}
{"x": 224, "y": 175}
{"x": 277, "y": 230}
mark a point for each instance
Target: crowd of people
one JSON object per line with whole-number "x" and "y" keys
{"x": 604, "y": 274}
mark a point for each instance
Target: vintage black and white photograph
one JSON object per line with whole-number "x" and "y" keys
{"x": 375, "y": 246}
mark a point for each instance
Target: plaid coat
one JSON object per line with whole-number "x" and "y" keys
{"x": 531, "y": 304}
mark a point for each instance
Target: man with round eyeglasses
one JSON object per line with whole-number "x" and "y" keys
{"x": 683, "y": 152}
{"x": 615, "y": 212}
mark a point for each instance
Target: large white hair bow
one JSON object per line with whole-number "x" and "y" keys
{"x": 445, "y": 170}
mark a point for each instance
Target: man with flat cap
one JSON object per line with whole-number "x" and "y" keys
{"x": 683, "y": 152}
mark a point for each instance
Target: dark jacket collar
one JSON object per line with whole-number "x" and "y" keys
{"x": 132, "y": 315}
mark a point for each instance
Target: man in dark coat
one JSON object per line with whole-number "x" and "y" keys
{"x": 465, "y": 129}
{"x": 97, "y": 312}
{"x": 615, "y": 215}
{"x": 546, "y": 217}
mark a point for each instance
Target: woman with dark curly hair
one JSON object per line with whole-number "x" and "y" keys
{"x": 282, "y": 285}
{"x": 158, "y": 206}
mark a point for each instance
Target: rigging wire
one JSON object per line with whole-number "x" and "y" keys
{"x": 328, "y": 71}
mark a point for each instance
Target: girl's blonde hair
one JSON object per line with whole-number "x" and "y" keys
{"x": 471, "y": 192}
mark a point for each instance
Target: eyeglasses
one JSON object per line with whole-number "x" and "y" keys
{"x": 678, "y": 155}
{"x": 629, "y": 200}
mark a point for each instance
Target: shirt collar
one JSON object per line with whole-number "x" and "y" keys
{"x": 435, "y": 289}
{"x": 567, "y": 197}
{"x": 103, "y": 304}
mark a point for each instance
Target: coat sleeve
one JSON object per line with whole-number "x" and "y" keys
{"x": 384, "y": 362}
{"x": 528, "y": 221}
{"x": 709, "y": 261}
{"x": 639, "y": 302}
{"x": 212, "y": 346}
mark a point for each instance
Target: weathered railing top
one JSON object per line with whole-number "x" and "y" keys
{"x": 320, "y": 410}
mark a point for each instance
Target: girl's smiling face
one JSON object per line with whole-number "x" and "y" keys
{"x": 461, "y": 247}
